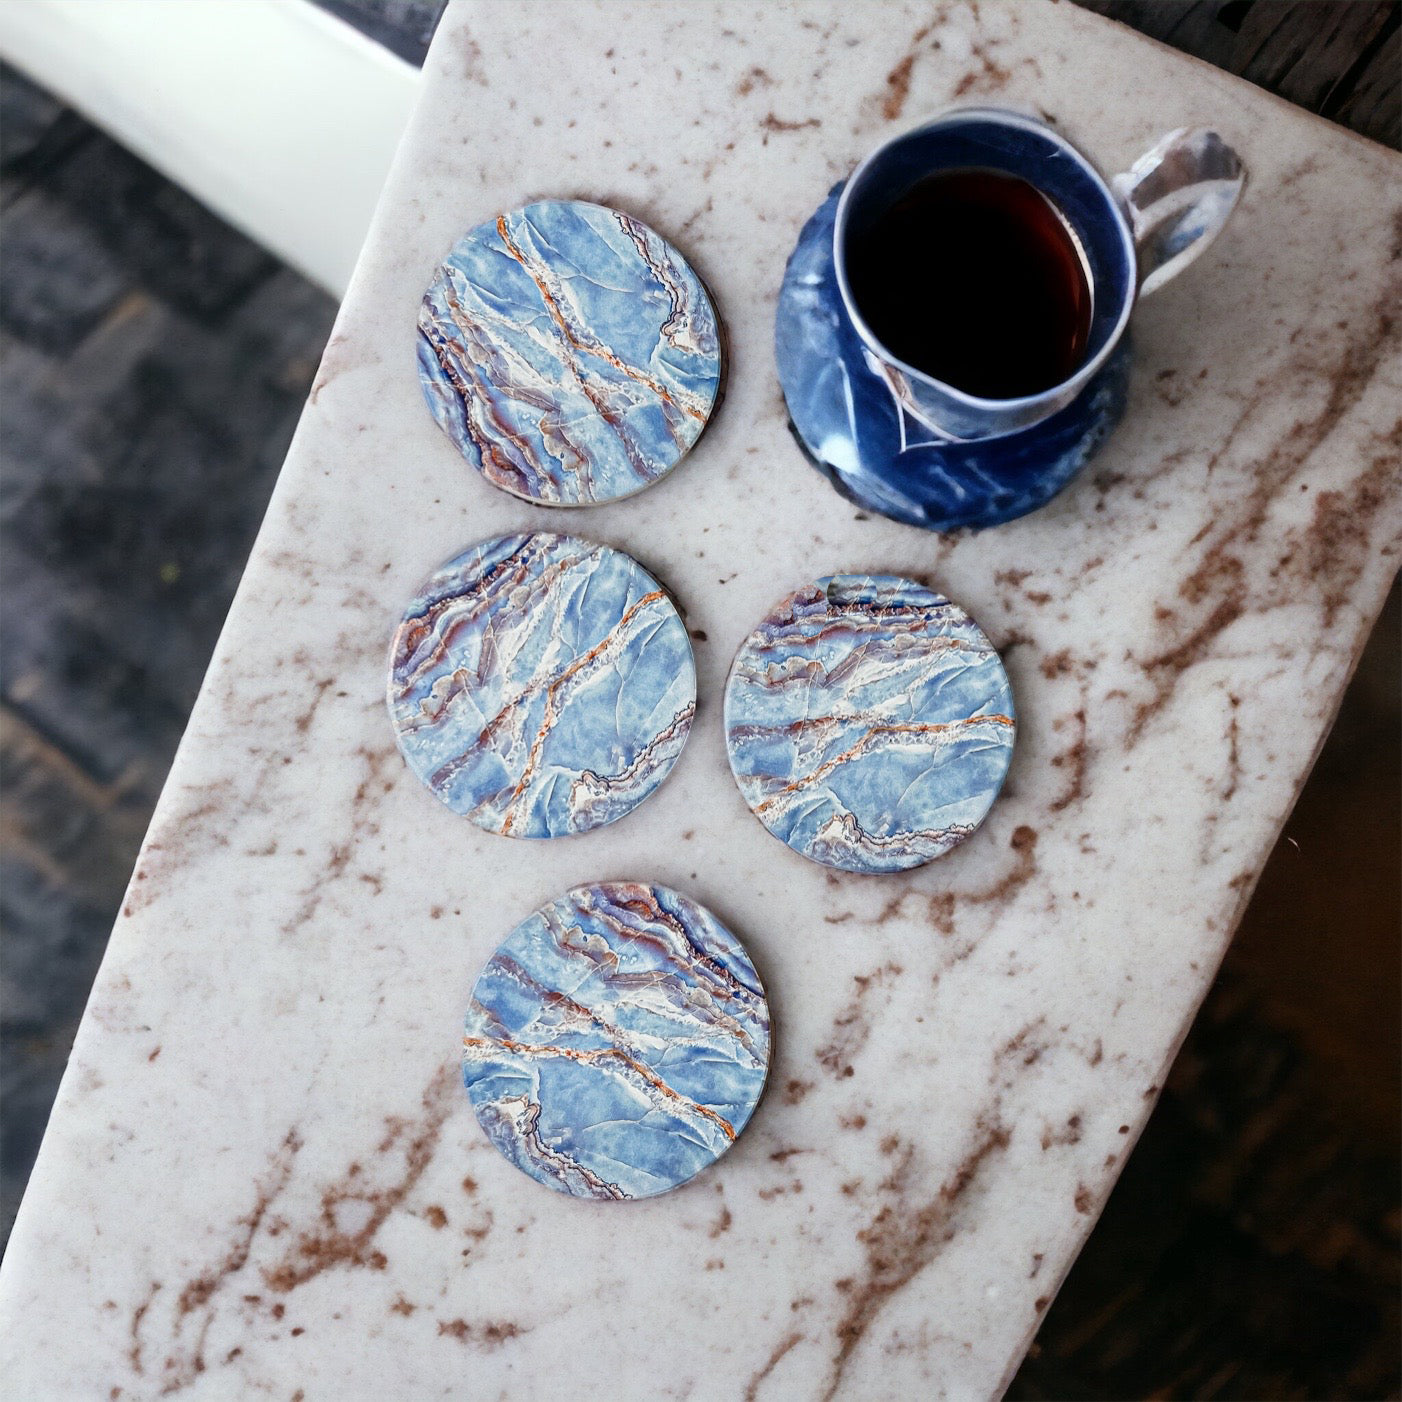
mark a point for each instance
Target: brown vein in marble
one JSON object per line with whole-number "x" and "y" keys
{"x": 138, "y": 1315}
{"x": 620, "y": 987}
{"x": 550, "y": 683}
{"x": 547, "y": 724}
{"x": 782, "y": 1348}
{"x": 593, "y": 1057}
{"x": 891, "y": 621}
{"x": 183, "y": 1365}
{"x": 901, "y": 1241}
{"x": 676, "y": 295}
{"x": 600, "y": 403}
{"x": 1233, "y": 750}
{"x": 461, "y": 606}
{"x": 1337, "y": 541}
{"x": 880, "y": 658}
{"x": 843, "y": 834}
{"x": 479, "y": 390}
{"x": 191, "y": 829}
{"x": 940, "y": 906}
{"x": 374, "y": 785}
{"x": 701, "y": 960}
{"x": 1220, "y": 578}
{"x": 342, "y": 355}
{"x": 327, "y": 1245}
{"x": 461, "y": 680}
{"x": 904, "y": 1237}
{"x": 489, "y": 1336}
{"x": 1074, "y": 758}
{"x": 303, "y": 722}
{"x": 872, "y": 736}
{"x": 851, "y": 1028}
{"x": 316, "y": 1251}
{"x": 1023, "y": 842}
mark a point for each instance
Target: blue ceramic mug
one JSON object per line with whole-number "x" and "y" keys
{"x": 911, "y": 446}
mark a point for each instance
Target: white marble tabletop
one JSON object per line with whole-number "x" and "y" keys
{"x": 262, "y": 1176}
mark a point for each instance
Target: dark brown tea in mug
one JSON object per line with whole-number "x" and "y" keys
{"x": 973, "y": 277}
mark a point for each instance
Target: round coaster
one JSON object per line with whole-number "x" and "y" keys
{"x": 617, "y": 1042}
{"x": 869, "y": 723}
{"x": 572, "y": 354}
{"x": 541, "y": 685}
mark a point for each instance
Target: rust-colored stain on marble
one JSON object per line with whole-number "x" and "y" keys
{"x": 1219, "y": 581}
{"x": 304, "y": 721}
{"x": 489, "y": 1336}
{"x": 328, "y": 1244}
{"x": 784, "y": 1155}
{"x": 898, "y": 85}
{"x": 783, "y": 1347}
{"x": 373, "y": 786}
{"x": 399, "y": 1160}
{"x": 904, "y": 1236}
{"x": 988, "y": 77}
{"x": 908, "y": 1230}
{"x": 1073, "y": 760}
{"x": 852, "y": 1025}
{"x": 200, "y": 827}
{"x": 771, "y": 124}
{"x": 752, "y": 78}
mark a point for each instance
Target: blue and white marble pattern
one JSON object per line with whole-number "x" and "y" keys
{"x": 617, "y": 1042}
{"x": 541, "y": 685}
{"x": 869, "y": 722}
{"x": 572, "y": 354}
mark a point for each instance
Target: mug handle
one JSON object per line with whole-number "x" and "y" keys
{"x": 1178, "y": 197}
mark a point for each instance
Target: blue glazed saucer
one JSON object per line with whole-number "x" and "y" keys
{"x": 854, "y": 430}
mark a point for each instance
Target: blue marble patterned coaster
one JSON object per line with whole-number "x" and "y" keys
{"x": 541, "y": 685}
{"x": 617, "y": 1042}
{"x": 869, "y": 723}
{"x": 572, "y": 354}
